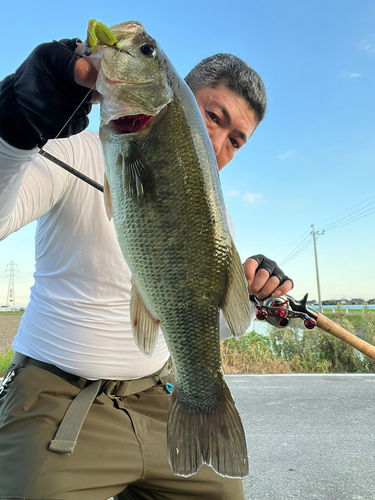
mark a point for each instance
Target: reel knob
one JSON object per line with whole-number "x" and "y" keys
{"x": 281, "y": 313}
{"x": 261, "y": 314}
{"x": 310, "y": 323}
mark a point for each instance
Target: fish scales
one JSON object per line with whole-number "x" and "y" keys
{"x": 163, "y": 190}
{"x": 175, "y": 233}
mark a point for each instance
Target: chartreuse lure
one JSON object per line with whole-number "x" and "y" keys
{"x": 96, "y": 30}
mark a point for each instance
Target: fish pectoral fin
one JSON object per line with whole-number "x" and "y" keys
{"x": 107, "y": 198}
{"x": 236, "y": 304}
{"x": 215, "y": 437}
{"x": 138, "y": 175}
{"x": 145, "y": 327}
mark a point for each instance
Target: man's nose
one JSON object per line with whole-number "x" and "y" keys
{"x": 217, "y": 141}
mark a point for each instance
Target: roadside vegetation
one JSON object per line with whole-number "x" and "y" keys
{"x": 293, "y": 349}
{"x": 297, "y": 350}
{"x": 5, "y": 359}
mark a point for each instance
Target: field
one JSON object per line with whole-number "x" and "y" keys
{"x": 8, "y": 328}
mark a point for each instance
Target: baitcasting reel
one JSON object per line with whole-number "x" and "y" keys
{"x": 279, "y": 311}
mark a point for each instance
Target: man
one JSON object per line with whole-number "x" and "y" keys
{"x": 76, "y": 328}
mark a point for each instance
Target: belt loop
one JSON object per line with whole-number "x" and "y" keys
{"x": 81, "y": 383}
{"x": 70, "y": 426}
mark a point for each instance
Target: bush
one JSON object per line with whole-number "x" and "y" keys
{"x": 251, "y": 353}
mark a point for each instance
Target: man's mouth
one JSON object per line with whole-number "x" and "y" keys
{"x": 130, "y": 124}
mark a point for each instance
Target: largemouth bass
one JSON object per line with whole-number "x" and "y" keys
{"x": 163, "y": 191}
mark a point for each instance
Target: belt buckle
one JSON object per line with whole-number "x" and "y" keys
{"x": 113, "y": 391}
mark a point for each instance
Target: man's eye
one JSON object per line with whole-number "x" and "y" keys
{"x": 212, "y": 116}
{"x": 235, "y": 144}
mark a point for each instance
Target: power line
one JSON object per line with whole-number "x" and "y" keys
{"x": 353, "y": 216}
{"x": 295, "y": 241}
{"x": 342, "y": 223}
{"x": 296, "y": 252}
{"x": 345, "y": 211}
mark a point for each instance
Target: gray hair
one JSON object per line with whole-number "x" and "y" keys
{"x": 237, "y": 75}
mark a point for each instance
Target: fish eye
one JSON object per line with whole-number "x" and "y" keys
{"x": 148, "y": 50}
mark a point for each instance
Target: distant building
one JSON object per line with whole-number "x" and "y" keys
{"x": 311, "y": 302}
{"x": 355, "y": 302}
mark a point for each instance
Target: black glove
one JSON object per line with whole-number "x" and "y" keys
{"x": 39, "y": 98}
{"x": 270, "y": 266}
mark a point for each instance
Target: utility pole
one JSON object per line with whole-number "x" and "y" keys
{"x": 11, "y": 272}
{"x": 317, "y": 233}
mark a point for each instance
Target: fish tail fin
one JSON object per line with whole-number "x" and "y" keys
{"x": 215, "y": 437}
{"x": 236, "y": 304}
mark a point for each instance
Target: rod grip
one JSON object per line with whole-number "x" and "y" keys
{"x": 330, "y": 327}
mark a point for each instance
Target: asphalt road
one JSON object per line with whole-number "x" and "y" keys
{"x": 309, "y": 437}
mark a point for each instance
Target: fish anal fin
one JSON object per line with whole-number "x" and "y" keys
{"x": 138, "y": 176}
{"x": 107, "y": 198}
{"x": 145, "y": 327}
{"x": 236, "y": 304}
{"x": 216, "y": 438}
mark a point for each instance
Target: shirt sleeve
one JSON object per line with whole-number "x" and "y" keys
{"x": 29, "y": 184}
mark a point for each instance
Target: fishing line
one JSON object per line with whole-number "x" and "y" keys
{"x": 64, "y": 165}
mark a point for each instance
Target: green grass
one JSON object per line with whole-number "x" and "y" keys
{"x": 5, "y": 359}
{"x": 350, "y": 312}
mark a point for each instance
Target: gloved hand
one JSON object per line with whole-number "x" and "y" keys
{"x": 40, "y": 97}
{"x": 265, "y": 278}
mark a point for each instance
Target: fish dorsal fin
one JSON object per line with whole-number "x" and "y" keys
{"x": 145, "y": 327}
{"x": 138, "y": 175}
{"x": 107, "y": 198}
{"x": 236, "y": 304}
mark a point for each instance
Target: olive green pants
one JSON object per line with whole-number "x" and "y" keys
{"x": 121, "y": 450}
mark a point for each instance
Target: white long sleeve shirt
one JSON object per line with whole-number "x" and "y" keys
{"x": 78, "y": 317}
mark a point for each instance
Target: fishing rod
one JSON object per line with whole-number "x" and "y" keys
{"x": 72, "y": 170}
{"x": 279, "y": 311}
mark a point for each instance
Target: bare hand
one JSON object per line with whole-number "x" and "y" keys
{"x": 85, "y": 74}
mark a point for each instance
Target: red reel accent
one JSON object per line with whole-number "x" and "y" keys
{"x": 261, "y": 314}
{"x": 281, "y": 313}
{"x": 310, "y": 323}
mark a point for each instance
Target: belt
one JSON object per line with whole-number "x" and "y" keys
{"x": 71, "y": 424}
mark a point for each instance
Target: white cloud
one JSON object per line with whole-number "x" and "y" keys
{"x": 367, "y": 45}
{"x": 252, "y": 198}
{"x": 285, "y": 155}
{"x": 232, "y": 192}
{"x": 349, "y": 74}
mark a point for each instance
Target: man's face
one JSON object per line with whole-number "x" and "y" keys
{"x": 228, "y": 119}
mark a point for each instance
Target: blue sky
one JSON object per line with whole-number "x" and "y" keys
{"x": 311, "y": 159}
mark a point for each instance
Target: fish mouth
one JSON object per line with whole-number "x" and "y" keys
{"x": 130, "y": 124}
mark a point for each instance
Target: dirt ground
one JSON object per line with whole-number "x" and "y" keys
{"x": 8, "y": 328}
